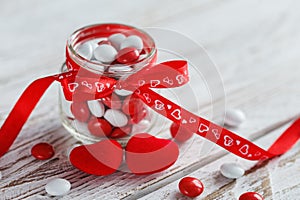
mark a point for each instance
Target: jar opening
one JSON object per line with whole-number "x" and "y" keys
{"x": 101, "y": 32}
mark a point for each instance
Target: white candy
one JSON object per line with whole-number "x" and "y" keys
{"x": 96, "y": 108}
{"x": 133, "y": 41}
{"x": 105, "y": 53}
{"x": 66, "y": 108}
{"x": 234, "y": 117}
{"x": 58, "y": 187}
{"x": 116, "y": 117}
{"x": 85, "y": 50}
{"x": 123, "y": 92}
{"x": 116, "y": 39}
{"x": 232, "y": 170}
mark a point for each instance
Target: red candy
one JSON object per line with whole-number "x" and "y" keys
{"x": 146, "y": 154}
{"x": 112, "y": 101}
{"x": 42, "y": 151}
{"x": 121, "y": 132}
{"x": 80, "y": 111}
{"x": 251, "y": 196}
{"x": 101, "y": 158}
{"x": 99, "y": 127}
{"x": 139, "y": 116}
{"x": 128, "y": 55}
{"x": 179, "y": 133}
{"x": 191, "y": 187}
{"x": 132, "y": 105}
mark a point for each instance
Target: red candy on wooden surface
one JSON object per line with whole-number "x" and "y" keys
{"x": 191, "y": 187}
{"x": 128, "y": 55}
{"x": 251, "y": 196}
{"x": 80, "y": 111}
{"x": 179, "y": 133}
{"x": 42, "y": 151}
{"x": 101, "y": 158}
{"x": 99, "y": 127}
{"x": 146, "y": 154}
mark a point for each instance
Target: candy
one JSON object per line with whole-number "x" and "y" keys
{"x": 179, "y": 133}
{"x": 234, "y": 117}
{"x": 42, "y": 151}
{"x": 116, "y": 39}
{"x": 190, "y": 186}
{"x": 58, "y": 187}
{"x": 96, "y": 108}
{"x": 251, "y": 196}
{"x": 101, "y": 158}
{"x": 138, "y": 116}
{"x": 99, "y": 127}
{"x": 133, "y": 41}
{"x": 121, "y": 132}
{"x": 123, "y": 92}
{"x": 80, "y": 111}
{"x": 105, "y": 53}
{"x": 131, "y": 105}
{"x": 128, "y": 55}
{"x": 232, "y": 170}
{"x": 146, "y": 154}
{"x": 112, "y": 101}
{"x": 116, "y": 117}
{"x": 85, "y": 50}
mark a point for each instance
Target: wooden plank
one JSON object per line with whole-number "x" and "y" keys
{"x": 274, "y": 180}
{"x": 247, "y": 58}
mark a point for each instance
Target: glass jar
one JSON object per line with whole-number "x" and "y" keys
{"x": 109, "y": 117}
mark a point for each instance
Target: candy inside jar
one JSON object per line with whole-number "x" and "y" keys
{"x": 115, "y": 51}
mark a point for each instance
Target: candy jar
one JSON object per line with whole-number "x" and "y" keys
{"x": 111, "y": 51}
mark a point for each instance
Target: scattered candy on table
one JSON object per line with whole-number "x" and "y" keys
{"x": 234, "y": 117}
{"x": 251, "y": 196}
{"x": 42, "y": 151}
{"x": 232, "y": 170}
{"x": 190, "y": 186}
{"x": 58, "y": 187}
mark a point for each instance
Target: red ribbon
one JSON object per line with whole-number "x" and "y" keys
{"x": 79, "y": 85}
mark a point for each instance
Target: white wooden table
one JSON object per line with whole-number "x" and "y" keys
{"x": 255, "y": 45}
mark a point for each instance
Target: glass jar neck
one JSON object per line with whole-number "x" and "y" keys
{"x": 104, "y": 31}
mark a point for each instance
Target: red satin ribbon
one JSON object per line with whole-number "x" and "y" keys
{"x": 80, "y": 85}
{"x": 164, "y": 75}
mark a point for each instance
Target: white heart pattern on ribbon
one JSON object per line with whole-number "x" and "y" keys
{"x": 159, "y": 105}
{"x": 72, "y": 86}
{"x": 203, "y": 128}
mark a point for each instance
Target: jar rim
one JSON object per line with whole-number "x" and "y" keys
{"x": 92, "y": 31}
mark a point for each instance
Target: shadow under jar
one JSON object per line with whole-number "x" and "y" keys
{"x": 105, "y": 50}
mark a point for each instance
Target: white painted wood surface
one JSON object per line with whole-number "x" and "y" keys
{"x": 255, "y": 45}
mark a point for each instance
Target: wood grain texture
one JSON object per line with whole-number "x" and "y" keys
{"x": 254, "y": 44}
